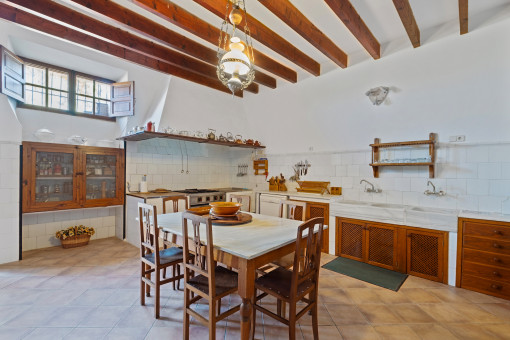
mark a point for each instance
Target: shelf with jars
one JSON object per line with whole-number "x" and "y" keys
{"x": 60, "y": 176}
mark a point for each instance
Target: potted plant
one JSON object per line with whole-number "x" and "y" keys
{"x": 76, "y": 236}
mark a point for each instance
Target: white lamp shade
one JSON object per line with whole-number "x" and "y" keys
{"x": 231, "y": 61}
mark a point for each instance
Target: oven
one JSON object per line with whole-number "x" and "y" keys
{"x": 202, "y": 197}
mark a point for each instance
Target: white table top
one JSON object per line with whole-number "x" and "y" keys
{"x": 262, "y": 235}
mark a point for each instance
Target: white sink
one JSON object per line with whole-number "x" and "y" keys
{"x": 383, "y": 212}
{"x": 436, "y": 218}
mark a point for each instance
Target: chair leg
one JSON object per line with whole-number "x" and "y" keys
{"x": 178, "y": 274}
{"x": 147, "y": 286}
{"x": 173, "y": 273}
{"x": 284, "y": 307}
{"x": 142, "y": 286}
{"x": 279, "y": 307}
{"x": 185, "y": 326}
{"x": 292, "y": 321}
{"x": 158, "y": 291}
{"x": 253, "y": 316}
{"x": 315, "y": 322}
{"x": 219, "y": 307}
{"x": 212, "y": 320}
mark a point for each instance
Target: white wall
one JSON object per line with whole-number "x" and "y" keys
{"x": 456, "y": 85}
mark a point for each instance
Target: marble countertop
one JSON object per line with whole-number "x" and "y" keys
{"x": 485, "y": 215}
{"x": 299, "y": 194}
{"x": 149, "y": 195}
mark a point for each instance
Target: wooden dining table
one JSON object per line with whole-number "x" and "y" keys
{"x": 244, "y": 247}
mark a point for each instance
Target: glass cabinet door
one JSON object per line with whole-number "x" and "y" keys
{"x": 101, "y": 176}
{"x": 54, "y": 180}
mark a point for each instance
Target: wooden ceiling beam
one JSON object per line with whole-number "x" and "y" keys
{"x": 18, "y": 16}
{"x": 406, "y": 15}
{"x": 162, "y": 34}
{"x": 191, "y": 23}
{"x": 264, "y": 35}
{"x": 351, "y": 19}
{"x": 123, "y": 38}
{"x": 290, "y": 15}
{"x": 464, "y": 16}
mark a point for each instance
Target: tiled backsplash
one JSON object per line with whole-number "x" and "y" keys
{"x": 474, "y": 177}
{"x": 39, "y": 228}
{"x": 206, "y": 166}
{"x": 9, "y": 201}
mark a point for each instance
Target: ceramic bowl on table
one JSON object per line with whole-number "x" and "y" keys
{"x": 224, "y": 208}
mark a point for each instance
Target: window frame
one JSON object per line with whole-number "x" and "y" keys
{"x": 71, "y": 92}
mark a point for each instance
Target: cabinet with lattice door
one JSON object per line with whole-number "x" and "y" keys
{"x": 416, "y": 251}
{"x": 316, "y": 209}
{"x": 368, "y": 242}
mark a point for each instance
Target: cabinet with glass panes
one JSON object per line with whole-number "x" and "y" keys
{"x": 58, "y": 176}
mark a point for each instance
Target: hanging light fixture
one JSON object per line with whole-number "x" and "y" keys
{"x": 235, "y": 50}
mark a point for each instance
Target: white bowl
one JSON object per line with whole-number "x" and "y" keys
{"x": 44, "y": 135}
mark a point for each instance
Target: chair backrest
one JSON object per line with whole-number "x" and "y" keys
{"x": 308, "y": 253}
{"x": 175, "y": 202}
{"x": 241, "y": 199}
{"x": 293, "y": 209}
{"x": 149, "y": 231}
{"x": 203, "y": 261}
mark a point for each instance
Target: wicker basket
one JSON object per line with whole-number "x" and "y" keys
{"x": 75, "y": 241}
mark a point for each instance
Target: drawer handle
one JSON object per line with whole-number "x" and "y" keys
{"x": 497, "y": 232}
{"x": 498, "y": 287}
{"x": 496, "y": 274}
{"x": 496, "y": 260}
{"x": 495, "y": 245}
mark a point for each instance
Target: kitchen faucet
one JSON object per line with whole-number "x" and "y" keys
{"x": 372, "y": 188}
{"x": 433, "y": 192}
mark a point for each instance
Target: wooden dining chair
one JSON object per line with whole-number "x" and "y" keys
{"x": 300, "y": 284}
{"x": 241, "y": 199}
{"x": 175, "y": 203}
{"x": 154, "y": 260}
{"x": 296, "y": 210}
{"x": 168, "y": 238}
{"x": 202, "y": 277}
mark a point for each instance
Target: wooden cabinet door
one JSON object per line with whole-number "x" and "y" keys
{"x": 316, "y": 209}
{"x": 350, "y": 238}
{"x": 426, "y": 254}
{"x": 103, "y": 179}
{"x": 51, "y": 176}
{"x": 381, "y": 246}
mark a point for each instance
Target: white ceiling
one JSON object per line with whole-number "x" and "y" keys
{"x": 379, "y": 15}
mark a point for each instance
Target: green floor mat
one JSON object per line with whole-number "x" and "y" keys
{"x": 366, "y": 272}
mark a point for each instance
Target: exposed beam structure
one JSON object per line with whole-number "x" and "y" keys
{"x": 463, "y": 16}
{"x": 351, "y": 19}
{"x": 264, "y": 35}
{"x": 406, "y": 15}
{"x": 123, "y": 38}
{"x": 26, "y": 19}
{"x": 290, "y": 15}
{"x": 191, "y": 23}
{"x": 162, "y": 34}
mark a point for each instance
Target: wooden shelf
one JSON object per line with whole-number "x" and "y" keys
{"x": 378, "y": 145}
{"x": 260, "y": 165}
{"x": 144, "y": 135}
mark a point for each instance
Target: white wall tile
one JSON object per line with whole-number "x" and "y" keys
{"x": 477, "y": 186}
{"x": 477, "y": 154}
{"x": 489, "y": 170}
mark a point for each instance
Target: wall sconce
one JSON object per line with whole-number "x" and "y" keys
{"x": 378, "y": 94}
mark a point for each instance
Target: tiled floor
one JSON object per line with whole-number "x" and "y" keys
{"x": 92, "y": 293}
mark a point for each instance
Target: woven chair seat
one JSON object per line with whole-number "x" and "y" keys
{"x": 225, "y": 280}
{"x": 279, "y": 281}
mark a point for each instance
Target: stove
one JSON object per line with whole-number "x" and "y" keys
{"x": 201, "y": 197}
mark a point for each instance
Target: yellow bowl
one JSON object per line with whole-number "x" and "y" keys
{"x": 225, "y": 208}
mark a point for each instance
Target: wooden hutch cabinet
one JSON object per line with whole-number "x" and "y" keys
{"x": 60, "y": 176}
{"x": 416, "y": 251}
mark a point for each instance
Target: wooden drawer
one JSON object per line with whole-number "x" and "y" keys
{"x": 485, "y": 244}
{"x": 488, "y": 272}
{"x": 490, "y": 259}
{"x": 494, "y": 231}
{"x": 486, "y": 286}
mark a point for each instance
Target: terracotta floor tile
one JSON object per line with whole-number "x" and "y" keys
{"x": 396, "y": 332}
{"x": 433, "y": 332}
{"x": 379, "y": 314}
{"x": 363, "y": 295}
{"x": 469, "y": 332}
{"x": 419, "y": 295}
{"x": 346, "y": 315}
{"x": 443, "y": 313}
{"x": 104, "y": 303}
{"x": 358, "y": 332}
{"x": 411, "y": 313}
